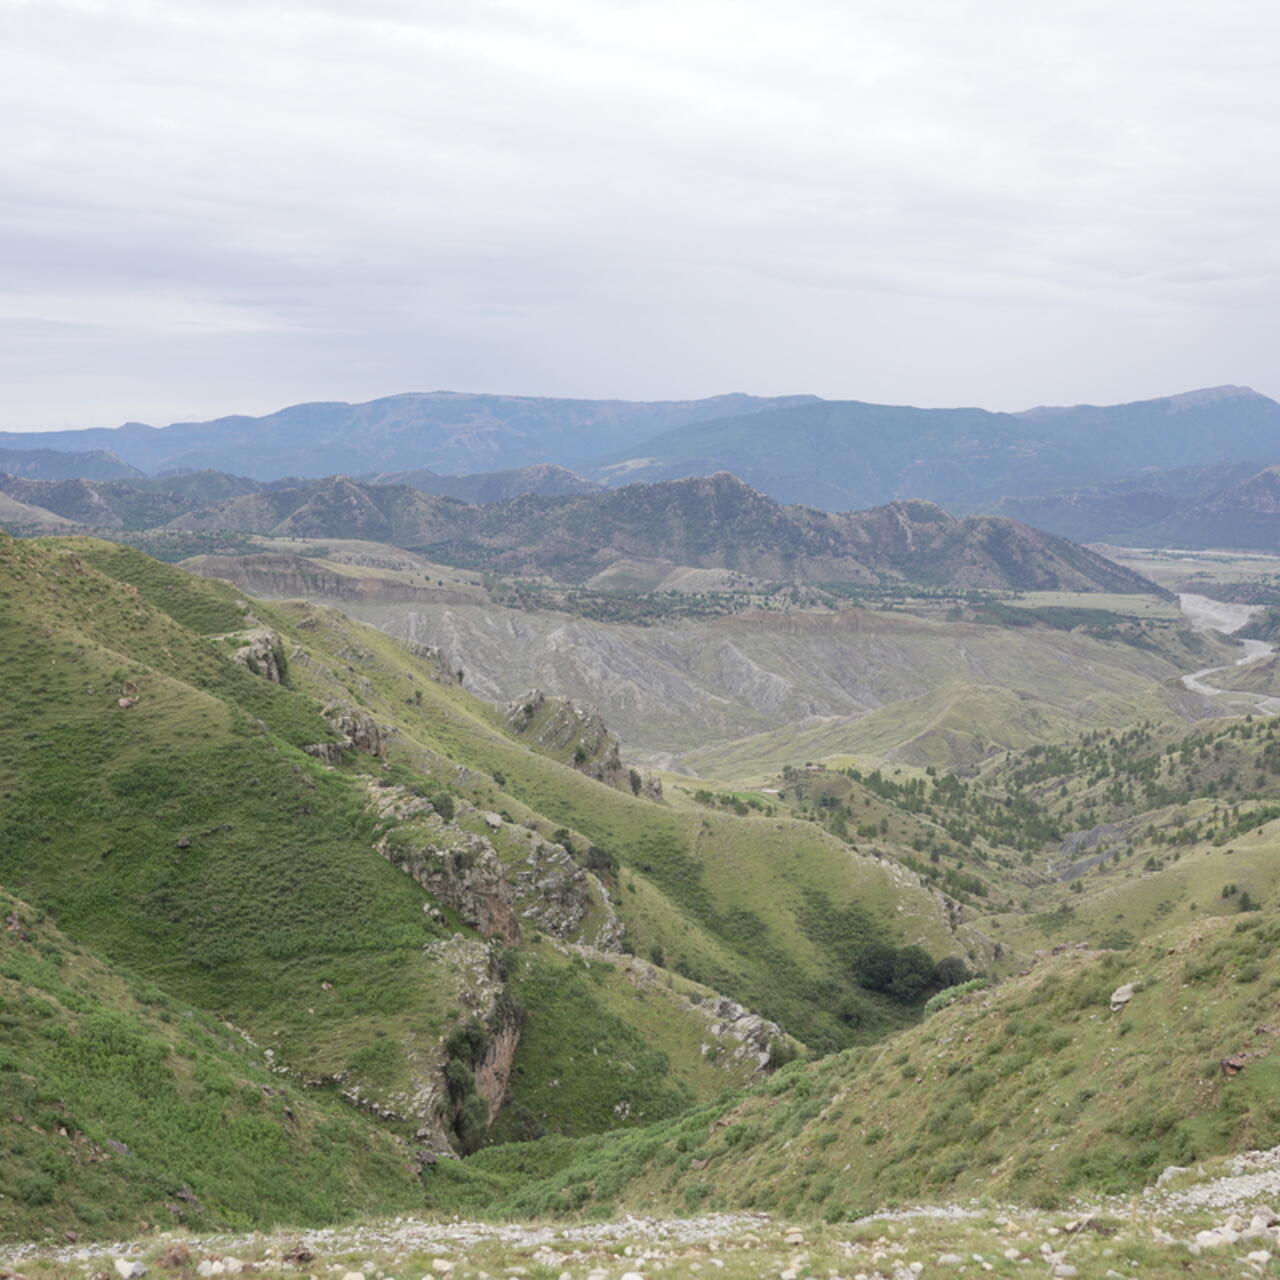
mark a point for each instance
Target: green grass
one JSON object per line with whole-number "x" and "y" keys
{"x": 116, "y": 1099}
{"x": 1030, "y": 1092}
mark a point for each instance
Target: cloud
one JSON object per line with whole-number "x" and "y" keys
{"x": 226, "y": 206}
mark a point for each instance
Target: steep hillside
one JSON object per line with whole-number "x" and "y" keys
{"x": 22, "y": 517}
{"x": 289, "y": 820}
{"x": 120, "y": 1104}
{"x": 1245, "y": 515}
{"x": 1055, "y": 1082}
{"x": 98, "y": 504}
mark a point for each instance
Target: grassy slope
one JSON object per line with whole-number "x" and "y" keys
{"x": 278, "y": 891}
{"x": 188, "y": 837}
{"x": 117, "y": 1101}
{"x": 730, "y": 900}
{"x": 1030, "y": 1091}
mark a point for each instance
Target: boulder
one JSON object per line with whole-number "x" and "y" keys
{"x": 1121, "y": 996}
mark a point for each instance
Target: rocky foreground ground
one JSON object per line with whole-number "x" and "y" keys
{"x": 1215, "y": 1220}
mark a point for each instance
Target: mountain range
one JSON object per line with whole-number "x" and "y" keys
{"x": 446, "y": 431}
{"x": 717, "y": 522}
{"x": 1157, "y": 472}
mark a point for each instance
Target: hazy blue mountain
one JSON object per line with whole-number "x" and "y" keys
{"x": 1244, "y": 515}
{"x": 844, "y": 454}
{"x": 56, "y": 464}
{"x": 446, "y": 431}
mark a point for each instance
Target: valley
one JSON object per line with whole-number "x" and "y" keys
{"x": 590, "y": 852}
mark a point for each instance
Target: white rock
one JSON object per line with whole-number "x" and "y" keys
{"x": 129, "y": 1270}
{"x": 442, "y": 1265}
{"x": 1209, "y": 1240}
{"x": 631, "y": 1275}
{"x": 354, "y": 1275}
{"x": 949, "y": 1259}
{"x": 1260, "y": 1256}
{"x": 210, "y": 1267}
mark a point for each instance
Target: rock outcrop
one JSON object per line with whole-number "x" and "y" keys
{"x": 576, "y": 735}
{"x": 457, "y": 867}
{"x": 262, "y": 651}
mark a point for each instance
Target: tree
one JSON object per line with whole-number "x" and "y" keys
{"x": 912, "y": 973}
{"x": 950, "y": 971}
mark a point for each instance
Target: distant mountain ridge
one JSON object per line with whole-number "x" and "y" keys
{"x": 716, "y": 522}
{"x": 57, "y": 464}
{"x": 446, "y": 431}
{"x": 844, "y": 454}
{"x": 1108, "y": 473}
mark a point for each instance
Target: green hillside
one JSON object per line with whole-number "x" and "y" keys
{"x": 1032, "y": 1091}
{"x": 120, "y": 1105}
{"x": 291, "y": 822}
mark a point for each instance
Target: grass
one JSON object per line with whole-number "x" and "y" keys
{"x": 187, "y": 837}
{"x": 116, "y": 1099}
{"x": 1032, "y": 1092}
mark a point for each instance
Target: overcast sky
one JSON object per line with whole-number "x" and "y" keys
{"x": 210, "y": 206}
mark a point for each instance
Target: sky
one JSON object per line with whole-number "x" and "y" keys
{"x": 215, "y": 206}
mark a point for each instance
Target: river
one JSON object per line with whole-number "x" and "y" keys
{"x": 1205, "y": 614}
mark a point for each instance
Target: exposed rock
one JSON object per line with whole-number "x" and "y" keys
{"x": 1121, "y": 996}
{"x": 356, "y": 729}
{"x": 576, "y": 735}
{"x": 493, "y": 1071}
{"x": 263, "y": 653}
{"x": 464, "y": 873}
{"x": 555, "y": 893}
{"x": 734, "y": 1031}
